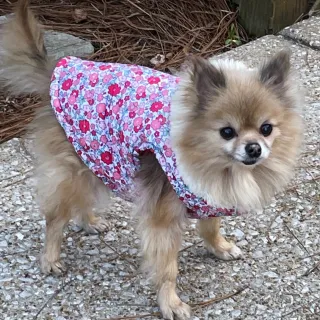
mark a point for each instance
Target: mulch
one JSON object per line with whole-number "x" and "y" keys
{"x": 156, "y": 33}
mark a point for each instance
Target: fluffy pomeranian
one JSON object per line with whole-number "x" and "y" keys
{"x": 215, "y": 140}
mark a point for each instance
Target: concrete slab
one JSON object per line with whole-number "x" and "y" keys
{"x": 307, "y": 32}
{"x": 305, "y": 60}
{"x": 281, "y": 245}
{"x": 60, "y": 44}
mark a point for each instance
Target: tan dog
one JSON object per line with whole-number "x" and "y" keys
{"x": 235, "y": 131}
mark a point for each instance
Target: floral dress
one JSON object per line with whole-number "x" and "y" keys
{"x": 112, "y": 113}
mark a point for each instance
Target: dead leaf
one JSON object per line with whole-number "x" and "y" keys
{"x": 158, "y": 59}
{"x": 79, "y": 15}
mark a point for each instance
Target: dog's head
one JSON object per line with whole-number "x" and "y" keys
{"x": 237, "y": 126}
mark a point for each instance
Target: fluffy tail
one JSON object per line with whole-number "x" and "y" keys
{"x": 24, "y": 65}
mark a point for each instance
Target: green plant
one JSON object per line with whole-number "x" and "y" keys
{"x": 233, "y": 36}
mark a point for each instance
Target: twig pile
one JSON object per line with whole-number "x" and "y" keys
{"x": 157, "y": 33}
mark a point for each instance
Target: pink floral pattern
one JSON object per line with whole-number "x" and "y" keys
{"x": 112, "y": 113}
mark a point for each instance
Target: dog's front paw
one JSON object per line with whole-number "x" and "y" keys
{"x": 48, "y": 266}
{"x": 170, "y": 304}
{"x": 96, "y": 225}
{"x": 224, "y": 250}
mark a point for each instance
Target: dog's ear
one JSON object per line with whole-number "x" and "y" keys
{"x": 274, "y": 72}
{"x": 207, "y": 79}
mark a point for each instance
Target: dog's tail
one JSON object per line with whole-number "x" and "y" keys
{"x": 24, "y": 65}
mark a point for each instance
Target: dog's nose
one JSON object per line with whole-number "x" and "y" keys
{"x": 253, "y": 150}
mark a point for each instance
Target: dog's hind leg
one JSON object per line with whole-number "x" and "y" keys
{"x": 63, "y": 194}
{"x": 67, "y": 189}
{"x": 55, "y": 222}
{"x": 68, "y": 193}
{"x": 86, "y": 218}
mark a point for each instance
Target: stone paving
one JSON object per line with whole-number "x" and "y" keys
{"x": 279, "y": 277}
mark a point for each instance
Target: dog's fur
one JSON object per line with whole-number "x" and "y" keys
{"x": 212, "y": 95}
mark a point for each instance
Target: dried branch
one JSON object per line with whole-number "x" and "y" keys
{"x": 193, "y": 306}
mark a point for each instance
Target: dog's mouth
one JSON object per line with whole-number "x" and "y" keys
{"x": 250, "y": 162}
{"x": 247, "y": 161}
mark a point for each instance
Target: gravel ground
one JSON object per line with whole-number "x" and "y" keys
{"x": 278, "y": 277}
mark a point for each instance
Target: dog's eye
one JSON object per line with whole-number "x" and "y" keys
{"x": 266, "y": 129}
{"x": 227, "y": 133}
